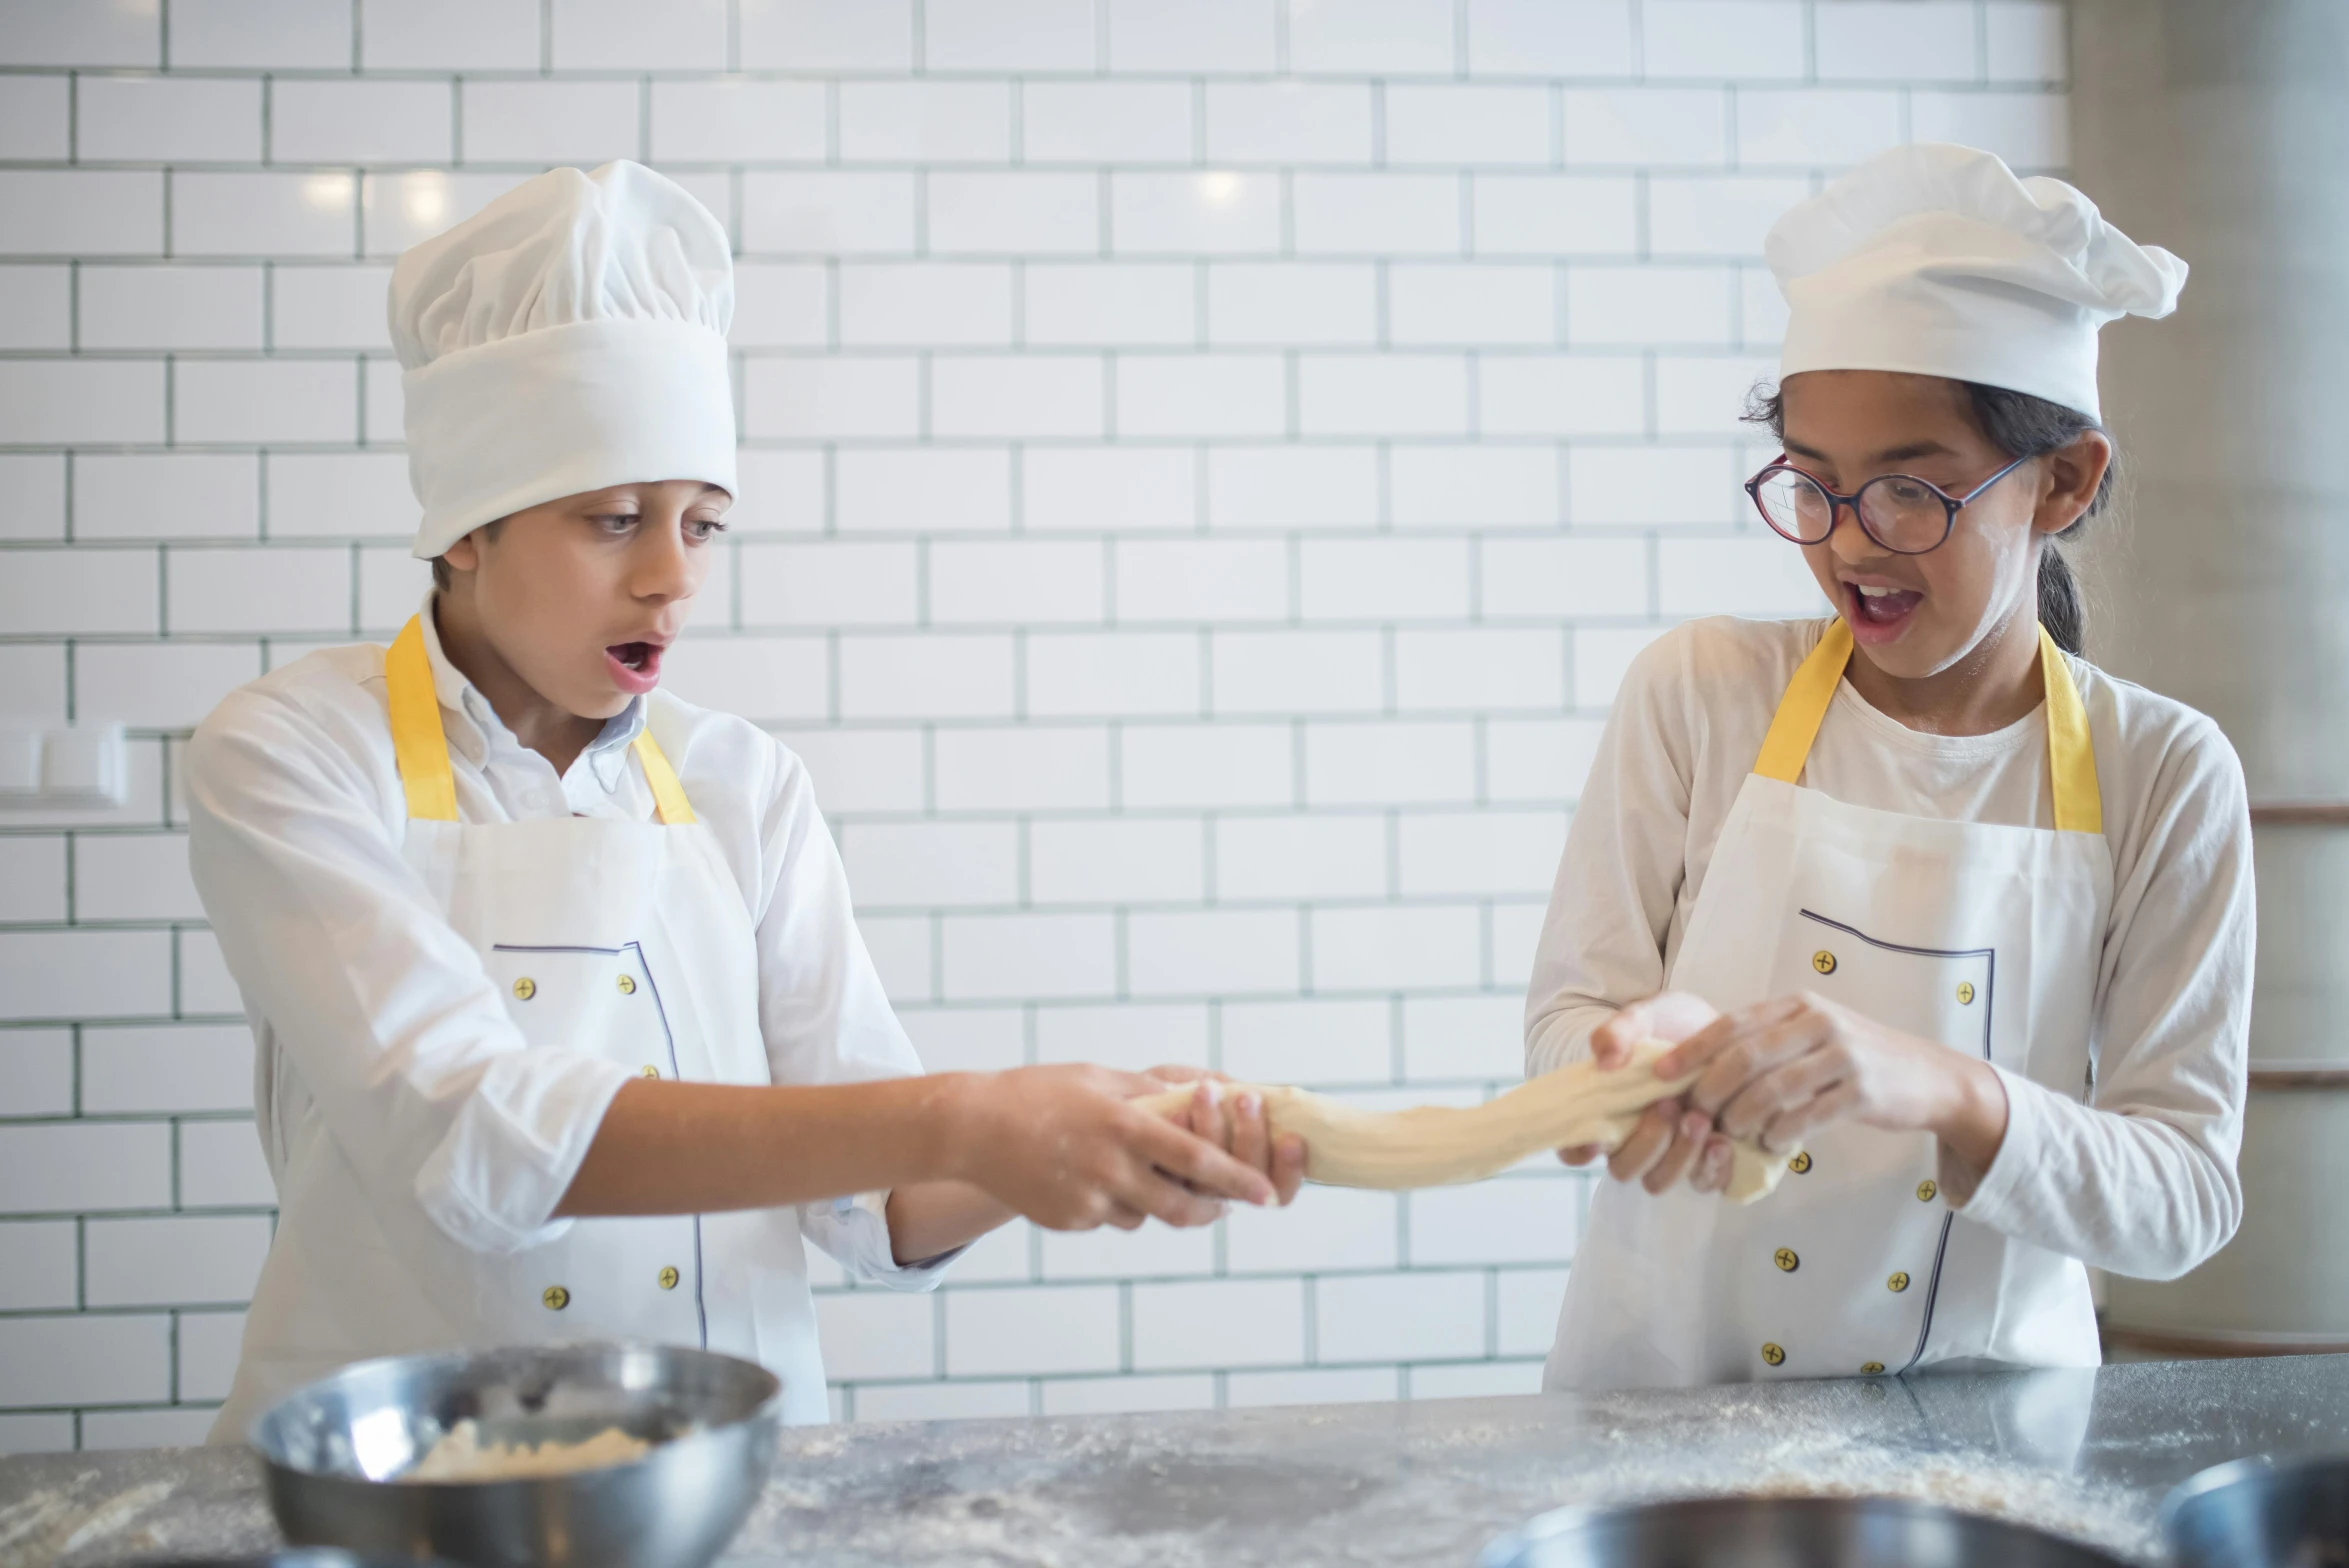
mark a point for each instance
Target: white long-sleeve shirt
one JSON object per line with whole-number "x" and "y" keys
{"x": 376, "y": 1022}
{"x": 2140, "y": 1179}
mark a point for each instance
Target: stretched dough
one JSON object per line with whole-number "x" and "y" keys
{"x": 1437, "y": 1145}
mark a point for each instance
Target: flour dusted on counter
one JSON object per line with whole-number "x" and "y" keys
{"x": 461, "y": 1455}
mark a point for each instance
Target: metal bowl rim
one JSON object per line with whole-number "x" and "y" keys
{"x": 2237, "y": 1472}
{"x": 296, "y": 1557}
{"x": 765, "y": 1410}
{"x": 1503, "y": 1550}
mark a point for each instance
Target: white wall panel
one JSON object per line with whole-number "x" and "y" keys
{"x": 1208, "y": 465}
{"x": 36, "y": 310}
{"x": 161, "y": 119}
{"x": 1550, "y": 37}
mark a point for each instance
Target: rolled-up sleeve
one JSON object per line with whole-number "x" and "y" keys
{"x": 384, "y": 1012}
{"x": 2141, "y": 1178}
{"x": 855, "y": 1232}
{"x": 823, "y": 1011}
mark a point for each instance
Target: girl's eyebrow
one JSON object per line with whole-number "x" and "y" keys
{"x": 1896, "y": 454}
{"x": 1901, "y": 454}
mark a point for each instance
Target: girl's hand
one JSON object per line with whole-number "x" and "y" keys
{"x": 1235, "y": 1121}
{"x": 1063, "y": 1146}
{"x": 1774, "y": 1071}
{"x": 1668, "y": 1140}
{"x": 1669, "y": 1016}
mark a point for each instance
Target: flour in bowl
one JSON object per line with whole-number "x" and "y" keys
{"x": 461, "y": 1455}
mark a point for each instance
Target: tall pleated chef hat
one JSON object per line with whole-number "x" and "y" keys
{"x": 1937, "y": 260}
{"x": 569, "y": 336}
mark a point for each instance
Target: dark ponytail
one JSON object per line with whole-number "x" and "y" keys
{"x": 2061, "y": 609}
{"x": 2019, "y": 425}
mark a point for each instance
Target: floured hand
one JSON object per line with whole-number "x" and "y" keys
{"x": 1670, "y": 1140}
{"x": 1233, "y": 1117}
{"x": 1429, "y": 1146}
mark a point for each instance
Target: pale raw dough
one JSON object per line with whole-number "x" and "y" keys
{"x": 461, "y": 1455}
{"x": 1437, "y": 1145}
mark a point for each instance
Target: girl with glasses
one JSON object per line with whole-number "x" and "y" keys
{"x": 1949, "y": 920}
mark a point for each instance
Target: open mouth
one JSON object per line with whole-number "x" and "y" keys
{"x": 634, "y": 666}
{"x": 1882, "y": 611}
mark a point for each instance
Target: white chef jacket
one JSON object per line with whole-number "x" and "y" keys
{"x": 2138, "y": 1179}
{"x": 377, "y": 1024}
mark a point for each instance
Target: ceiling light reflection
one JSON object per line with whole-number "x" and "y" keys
{"x": 1219, "y": 189}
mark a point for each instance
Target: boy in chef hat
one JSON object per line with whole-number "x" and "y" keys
{"x": 1952, "y": 921}
{"x": 565, "y": 1028}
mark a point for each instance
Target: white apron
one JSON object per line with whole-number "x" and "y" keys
{"x": 628, "y": 941}
{"x": 1985, "y": 938}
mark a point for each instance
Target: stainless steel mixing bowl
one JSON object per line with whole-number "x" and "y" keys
{"x": 2261, "y": 1513}
{"x": 334, "y": 1451}
{"x": 1782, "y": 1532}
{"x": 290, "y": 1557}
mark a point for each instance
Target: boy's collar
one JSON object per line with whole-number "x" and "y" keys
{"x": 456, "y": 693}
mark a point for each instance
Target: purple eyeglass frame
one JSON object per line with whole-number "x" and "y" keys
{"x": 1951, "y": 504}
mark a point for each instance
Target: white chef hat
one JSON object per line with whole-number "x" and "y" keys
{"x": 1937, "y": 260}
{"x": 569, "y": 336}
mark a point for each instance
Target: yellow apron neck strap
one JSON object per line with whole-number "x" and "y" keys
{"x": 668, "y": 795}
{"x": 2071, "y": 756}
{"x": 422, "y": 746}
{"x": 1804, "y": 707}
{"x": 417, "y": 739}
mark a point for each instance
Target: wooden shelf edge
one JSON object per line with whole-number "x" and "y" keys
{"x": 2305, "y": 813}
{"x": 2300, "y": 1077}
{"x": 2216, "y": 1346}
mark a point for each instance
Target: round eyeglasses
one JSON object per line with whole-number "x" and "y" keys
{"x": 1902, "y": 513}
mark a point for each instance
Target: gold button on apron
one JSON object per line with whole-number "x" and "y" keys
{"x": 555, "y": 1297}
{"x": 526, "y": 988}
{"x": 650, "y": 1071}
{"x": 1897, "y": 1284}
{"x": 1871, "y": 1368}
{"x": 1774, "y": 1354}
{"x": 669, "y": 1278}
{"x": 1800, "y": 1164}
{"x": 1786, "y": 1260}
{"x": 1823, "y": 961}
{"x": 1925, "y": 1191}
{"x": 628, "y": 985}
{"x": 1965, "y": 993}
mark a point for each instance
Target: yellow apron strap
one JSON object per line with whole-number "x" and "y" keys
{"x": 422, "y": 746}
{"x": 2071, "y": 755}
{"x": 417, "y": 739}
{"x": 1804, "y": 707}
{"x": 668, "y": 795}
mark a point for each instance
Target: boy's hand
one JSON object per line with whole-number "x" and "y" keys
{"x": 1235, "y": 1120}
{"x": 1062, "y": 1146}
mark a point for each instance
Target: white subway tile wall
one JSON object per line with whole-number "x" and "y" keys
{"x": 1207, "y": 465}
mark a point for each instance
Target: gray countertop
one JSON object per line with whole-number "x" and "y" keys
{"x": 2087, "y": 1454}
